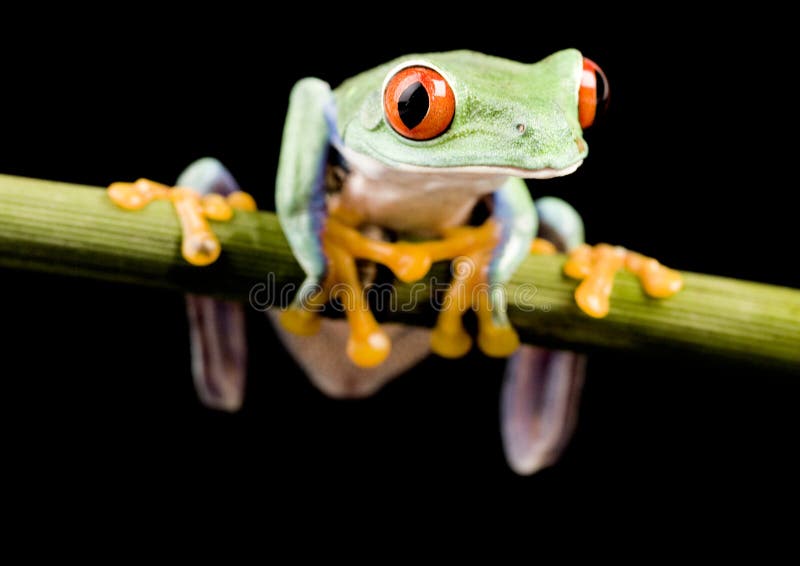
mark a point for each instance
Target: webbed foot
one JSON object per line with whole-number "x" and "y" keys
{"x": 597, "y": 266}
{"x": 472, "y": 248}
{"x": 200, "y": 245}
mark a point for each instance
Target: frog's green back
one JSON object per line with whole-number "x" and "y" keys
{"x": 507, "y": 113}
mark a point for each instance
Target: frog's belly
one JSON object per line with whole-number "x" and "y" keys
{"x": 414, "y": 203}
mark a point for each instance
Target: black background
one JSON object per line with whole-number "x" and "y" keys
{"x": 687, "y": 167}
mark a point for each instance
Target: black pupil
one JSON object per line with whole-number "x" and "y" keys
{"x": 413, "y": 105}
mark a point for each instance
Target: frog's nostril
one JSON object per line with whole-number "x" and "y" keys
{"x": 521, "y": 128}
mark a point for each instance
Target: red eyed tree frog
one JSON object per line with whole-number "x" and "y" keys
{"x": 392, "y": 167}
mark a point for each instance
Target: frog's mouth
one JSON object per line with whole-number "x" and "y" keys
{"x": 373, "y": 167}
{"x": 492, "y": 170}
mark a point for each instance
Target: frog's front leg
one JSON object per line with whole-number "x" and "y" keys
{"x": 342, "y": 242}
{"x": 480, "y": 272}
{"x": 325, "y": 245}
{"x": 368, "y": 345}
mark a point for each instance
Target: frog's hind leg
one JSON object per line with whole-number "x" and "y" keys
{"x": 597, "y": 266}
{"x": 559, "y": 223}
{"x": 217, "y": 328}
{"x": 539, "y": 406}
{"x": 541, "y": 388}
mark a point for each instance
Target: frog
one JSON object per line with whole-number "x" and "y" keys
{"x": 420, "y": 160}
{"x": 419, "y": 144}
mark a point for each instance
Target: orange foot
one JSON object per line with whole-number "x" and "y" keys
{"x": 200, "y": 245}
{"x": 368, "y": 345}
{"x": 597, "y": 266}
{"x": 470, "y": 289}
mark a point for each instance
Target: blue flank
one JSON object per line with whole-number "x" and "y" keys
{"x": 317, "y": 205}
{"x": 330, "y": 117}
{"x": 503, "y": 213}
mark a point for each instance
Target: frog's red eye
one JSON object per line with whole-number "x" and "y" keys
{"x": 418, "y": 103}
{"x": 588, "y": 97}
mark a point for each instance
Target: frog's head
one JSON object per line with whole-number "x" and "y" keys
{"x": 464, "y": 109}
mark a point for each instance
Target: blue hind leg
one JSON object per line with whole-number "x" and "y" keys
{"x": 217, "y": 328}
{"x": 541, "y": 388}
{"x": 559, "y": 223}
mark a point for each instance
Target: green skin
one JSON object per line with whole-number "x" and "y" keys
{"x": 512, "y": 121}
{"x": 493, "y": 96}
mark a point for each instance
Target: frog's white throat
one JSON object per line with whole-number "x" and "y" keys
{"x": 422, "y": 200}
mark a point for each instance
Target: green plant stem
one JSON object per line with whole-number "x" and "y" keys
{"x": 76, "y": 230}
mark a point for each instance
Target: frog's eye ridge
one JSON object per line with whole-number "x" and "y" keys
{"x": 419, "y": 103}
{"x": 593, "y": 94}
